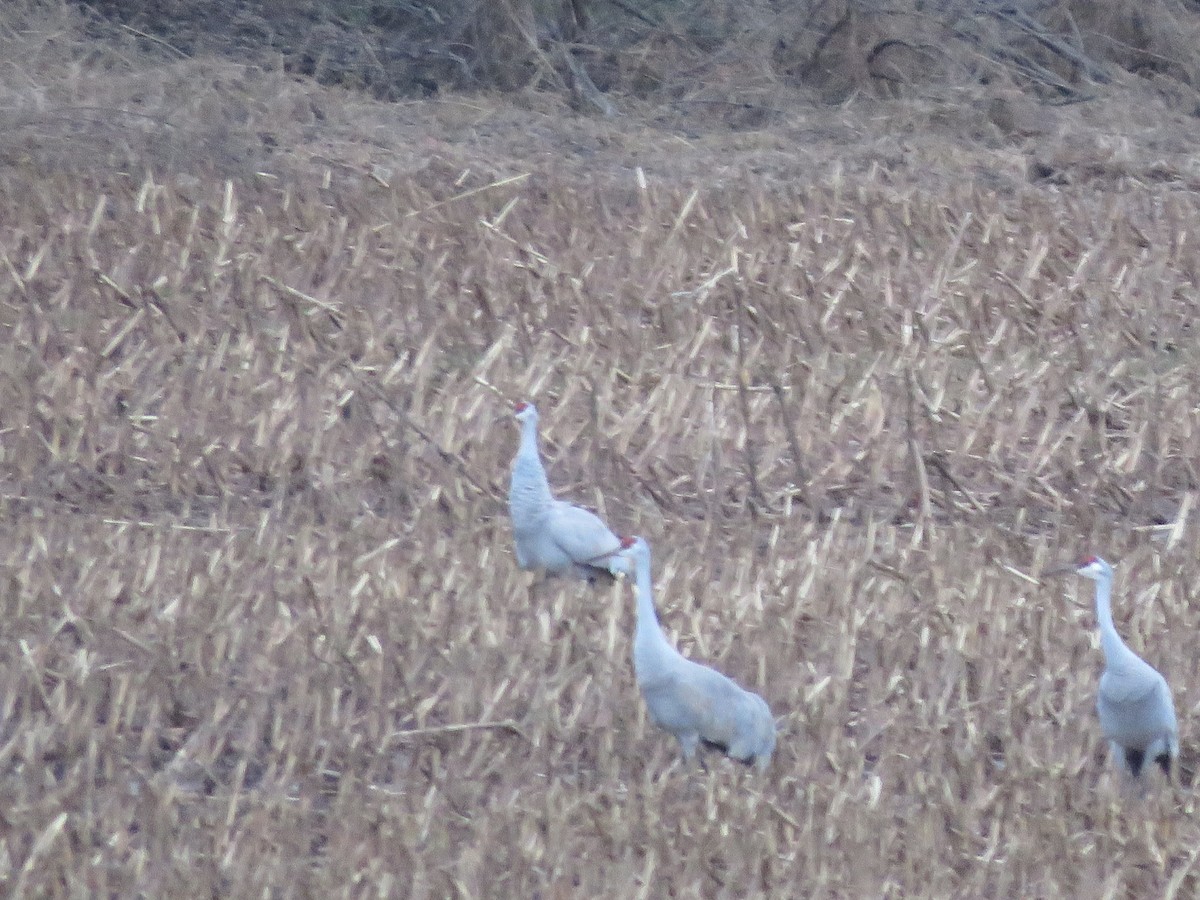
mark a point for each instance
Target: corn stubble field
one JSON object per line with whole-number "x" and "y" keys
{"x": 264, "y": 635}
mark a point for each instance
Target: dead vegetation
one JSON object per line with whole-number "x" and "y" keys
{"x": 713, "y": 52}
{"x": 262, "y": 631}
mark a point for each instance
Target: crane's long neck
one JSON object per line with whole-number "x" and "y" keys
{"x": 529, "y": 491}
{"x": 1114, "y": 647}
{"x": 649, "y": 643}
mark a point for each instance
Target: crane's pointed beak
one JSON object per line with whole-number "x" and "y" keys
{"x": 1060, "y": 570}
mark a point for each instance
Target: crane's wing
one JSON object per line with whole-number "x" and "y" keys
{"x": 760, "y": 727}
{"x": 685, "y": 699}
{"x": 583, "y": 537}
{"x": 1131, "y": 684}
{"x": 726, "y": 715}
{"x": 1136, "y": 707}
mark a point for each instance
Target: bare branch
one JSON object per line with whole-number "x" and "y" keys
{"x": 510, "y": 725}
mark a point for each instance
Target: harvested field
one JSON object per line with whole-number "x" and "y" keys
{"x": 263, "y": 633}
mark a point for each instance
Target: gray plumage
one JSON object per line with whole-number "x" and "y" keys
{"x": 693, "y": 702}
{"x": 551, "y": 535}
{"x": 1137, "y": 712}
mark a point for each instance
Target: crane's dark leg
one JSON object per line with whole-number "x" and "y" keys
{"x": 1164, "y": 762}
{"x": 1134, "y": 760}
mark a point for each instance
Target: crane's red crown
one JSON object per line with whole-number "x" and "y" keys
{"x": 627, "y": 542}
{"x": 520, "y": 406}
{"x": 1087, "y": 561}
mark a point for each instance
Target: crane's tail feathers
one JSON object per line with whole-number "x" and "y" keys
{"x": 617, "y": 564}
{"x": 758, "y": 760}
{"x": 611, "y": 564}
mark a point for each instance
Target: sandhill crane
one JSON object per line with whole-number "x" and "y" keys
{"x": 1137, "y": 714}
{"x": 693, "y": 702}
{"x": 551, "y": 535}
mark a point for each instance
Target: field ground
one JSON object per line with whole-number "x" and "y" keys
{"x": 858, "y": 375}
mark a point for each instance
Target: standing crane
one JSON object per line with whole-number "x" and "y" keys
{"x": 1137, "y": 714}
{"x": 551, "y": 535}
{"x": 693, "y": 702}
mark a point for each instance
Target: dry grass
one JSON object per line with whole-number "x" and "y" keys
{"x": 254, "y": 440}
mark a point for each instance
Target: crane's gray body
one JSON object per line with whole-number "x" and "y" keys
{"x": 1137, "y": 712}
{"x": 551, "y": 535}
{"x": 693, "y": 702}
{"x": 696, "y": 703}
